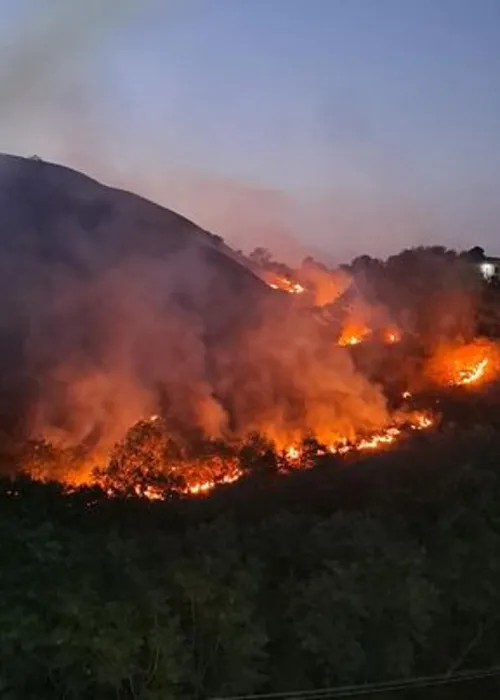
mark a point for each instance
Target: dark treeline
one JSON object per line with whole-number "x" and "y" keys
{"x": 433, "y": 291}
{"x": 381, "y": 568}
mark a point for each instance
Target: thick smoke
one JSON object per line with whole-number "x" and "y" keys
{"x": 288, "y": 381}
{"x": 123, "y": 310}
{"x": 120, "y": 339}
{"x": 114, "y": 310}
{"x": 328, "y": 285}
{"x": 127, "y": 345}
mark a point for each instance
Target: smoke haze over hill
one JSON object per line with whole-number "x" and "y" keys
{"x": 119, "y": 309}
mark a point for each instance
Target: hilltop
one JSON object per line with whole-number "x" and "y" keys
{"x": 44, "y": 207}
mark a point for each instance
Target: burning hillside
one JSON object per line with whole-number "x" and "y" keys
{"x": 148, "y": 462}
{"x": 132, "y": 311}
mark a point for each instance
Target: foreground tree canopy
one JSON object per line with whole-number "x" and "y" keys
{"x": 331, "y": 576}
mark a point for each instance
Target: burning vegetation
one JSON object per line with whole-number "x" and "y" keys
{"x": 470, "y": 364}
{"x": 279, "y": 393}
{"x": 151, "y": 363}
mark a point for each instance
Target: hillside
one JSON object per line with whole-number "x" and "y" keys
{"x": 58, "y": 215}
{"x": 87, "y": 271}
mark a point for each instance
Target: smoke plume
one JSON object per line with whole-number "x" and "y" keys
{"x": 122, "y": 310}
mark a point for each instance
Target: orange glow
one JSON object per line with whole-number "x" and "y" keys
{"x": 201, "y": 476}
{"x": 375, "y": 441}
{"x": 392, "y": 336}
{"x": 202, "y": 487}
{"x": 292, "y": 453}
{"x": 463, "y": 365}
{"x": 422, "y": 422}
{"x": 151, "y": 493}
{"x": 466, "y": 365}
{"x": 379, "y": 439}
{"x": 285, "y": 285}
{"x": 350, "y": 340}
{"x": 353, "y": 334}
{"x": 469, "y": 375}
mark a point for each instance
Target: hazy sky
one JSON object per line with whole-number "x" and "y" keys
{"x": 349, "y": 126}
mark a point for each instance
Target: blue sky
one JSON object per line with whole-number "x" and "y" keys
{"x": 341, "y": 125}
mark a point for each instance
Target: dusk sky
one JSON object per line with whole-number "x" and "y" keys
{"x": 343, "y": 126}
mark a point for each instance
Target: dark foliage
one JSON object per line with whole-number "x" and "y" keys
{"x": 382, "y": 568}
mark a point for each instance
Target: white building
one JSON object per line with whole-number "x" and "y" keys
{"x": 489, "y": 268}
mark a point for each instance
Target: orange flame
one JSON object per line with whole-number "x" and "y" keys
{"x": 469, "y": 375}
{"x": 466, "y": 365}
{"x": 292, "y": 453}
{"x": 353, "y": 334}
{"x": 202, "y": 487}
{"x": 392, "y": 336}
{"x": 419, "y": 421}
{"x": 350, "y": 340}
{"x": 286, "y": 285}
{"x": 200, "y": 478}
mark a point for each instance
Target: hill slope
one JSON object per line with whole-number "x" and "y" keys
{"x": 113, "y": 308}
{"x": 58, "y": 215}
{"x": 96, "y": 282}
